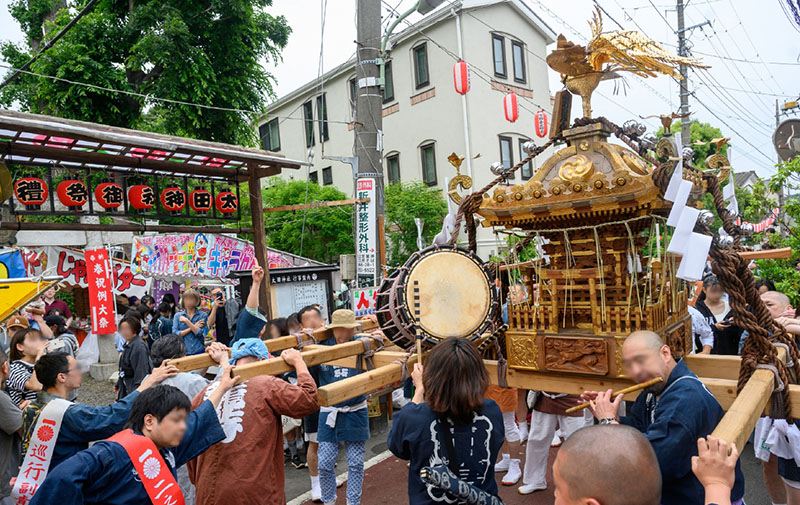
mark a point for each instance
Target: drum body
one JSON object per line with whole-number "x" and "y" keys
{"x": 455, "y": 292}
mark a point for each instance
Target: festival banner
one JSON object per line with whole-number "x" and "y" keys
{"x": 71, "y": 264}
{"x": 365, "y": 301}
{"x": 196, "y": 255}
{"x": 366, "y": 234}
{"x": 11, "y": 265}
{"x": 101, "y": 296}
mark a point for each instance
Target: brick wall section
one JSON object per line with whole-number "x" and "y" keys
{"x": 505, "y": 88}
{"x": 421, "y": 97}
{"x": 390, "y": 109}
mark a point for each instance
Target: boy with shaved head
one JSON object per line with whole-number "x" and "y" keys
{"x": 671, "y": 414}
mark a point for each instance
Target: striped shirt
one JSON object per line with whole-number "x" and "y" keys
{"x": 19, "y": 373}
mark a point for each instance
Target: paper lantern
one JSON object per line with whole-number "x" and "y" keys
{"x": 461, "y": 77}
{"x": 31, "y": 192}
{"x": 540, "y": 123}
{"x": 173, "y": 199}
{"x": 200, "y": 201}
{"x": 510, "y": 106}
{"x": 108, "y": 195}
{"x": 73, "y": 194}
{"x": 227, "y": 203}
{"x": 141, "y": 197}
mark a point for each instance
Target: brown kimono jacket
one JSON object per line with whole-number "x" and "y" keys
{"x": 247, "y": 466}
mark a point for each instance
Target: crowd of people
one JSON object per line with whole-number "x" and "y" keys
{"x": 174, "y": 437}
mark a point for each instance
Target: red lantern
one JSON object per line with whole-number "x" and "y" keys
{"x": 540, "y": 123}
{"x": 510, "y": 106}
{"x": 200, "y": 201}
{"x": 141, "y": 197}
{"x": 461, "y": 77}
{"x": 108, "y": 195}
{"x": 173, "y": 199}
{"x": 73, "y": 194}
{"x": 227, "y": 203}
{"x": 31, "y": 192}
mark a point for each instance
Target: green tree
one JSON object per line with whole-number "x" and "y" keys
{"x": 700, "y": 132}
{"x": 404, "y": 202}
{"x": 201, "y": 52}
{"x": 328, "y": 231}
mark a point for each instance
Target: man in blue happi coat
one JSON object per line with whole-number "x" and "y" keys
{"x": 60, "y": 374}
{"x": 671, "y": 414}
{"x": 105, "y": 474}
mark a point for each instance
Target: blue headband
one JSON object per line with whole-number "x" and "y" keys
{"x": 248, "y": 347}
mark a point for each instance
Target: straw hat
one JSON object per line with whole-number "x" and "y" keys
{"x": 343, "y": 318}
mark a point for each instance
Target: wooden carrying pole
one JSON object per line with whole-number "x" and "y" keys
{"x": 625, "y": 391}
{"x": 363, "y": 383}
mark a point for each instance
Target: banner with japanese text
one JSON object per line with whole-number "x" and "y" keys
{"x": 71, "y": 264}
{"x": 101, "y": 297}
{"x": 366, "y": 234}
{"x": 365, "y": 301}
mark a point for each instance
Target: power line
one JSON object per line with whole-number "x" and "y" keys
{"x": 50, "y": 43}
{"x": 758, "y": 56}
{"x": 740, "y": 60}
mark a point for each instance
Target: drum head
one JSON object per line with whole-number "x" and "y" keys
{"x": 454, "y": 291}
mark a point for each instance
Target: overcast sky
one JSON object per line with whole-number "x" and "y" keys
{"x": 742, "y": 94}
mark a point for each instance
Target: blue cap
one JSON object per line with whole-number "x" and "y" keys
{"x": 248, "y": 347}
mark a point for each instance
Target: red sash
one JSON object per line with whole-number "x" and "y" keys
{"x": 158, "y": 481}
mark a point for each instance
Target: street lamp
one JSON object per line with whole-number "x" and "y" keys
{"x": 423, "y": 7}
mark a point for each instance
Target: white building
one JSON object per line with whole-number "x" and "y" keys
{"x": 424, "y": 119}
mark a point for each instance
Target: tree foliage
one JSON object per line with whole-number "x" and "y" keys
{"x": 205, "y": 52}
{"x": 328, "y": 230}
{"x": 404, "y": 202}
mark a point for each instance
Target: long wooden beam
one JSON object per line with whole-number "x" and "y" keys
{"x": 141, "y": 228}
{"x": 714, "y": 365}
{"x": 277, "y": 366}
{"x": 314, "y": 205}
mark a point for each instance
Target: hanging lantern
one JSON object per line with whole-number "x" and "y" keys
{"x": 461, "y": 77}
{"x": 31, "y": 192}
{"x": 510, "y": 106}
{"x": 73, "y": 194}
{"x": 108, "y": 195}
{"x": 141, "y": 197}
{"x": 227, "y": 203}
{"x": 173, "y": 199}
{"x": 540, "y": 123}
{"x": 200, "y": 201}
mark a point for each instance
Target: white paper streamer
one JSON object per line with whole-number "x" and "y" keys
{"x": 694, "y": 261}
{"x": 683, "y": 231}
{"x": 677, "y": 174}
{"x": 679, "y": 204}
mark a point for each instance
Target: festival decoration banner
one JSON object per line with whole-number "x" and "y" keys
{"x": 11, "y": 265}
{"x": 101, "y": 296}
{"x": 71, "y": 264}
{"x": 196, "y": 255}
{"x": 365, "y": 301}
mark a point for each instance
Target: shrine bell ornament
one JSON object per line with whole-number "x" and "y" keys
{"x": 173, "y": 199}
{"x": 461, "y": 77}
{"x": 31, "y": 192}
{"x": 510, "y": 107}
{"x": 73, "y": 194}
{"x": 141, "y": 197}
{"x": 540, "y": 123}
{"x": 108, "y": 195}
{"x": 200, "y": 201}
{"x": 227, "y": 203}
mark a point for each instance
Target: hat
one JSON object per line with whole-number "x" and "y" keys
{"x": 17, "y": 322}
{"x": 343, "y": 318}
{"x": 248, "y": 347}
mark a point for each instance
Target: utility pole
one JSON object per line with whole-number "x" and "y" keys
{"x": 369, "y": 145}
{"x": 686, "y": 136}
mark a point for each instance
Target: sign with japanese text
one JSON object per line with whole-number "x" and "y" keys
{"x": 196, "y": 255}
{"x": 71, "y": 264}
{"x": 101, "y": 295}
{"x": 366, "y": 234}
{"x": 365, "y": 301}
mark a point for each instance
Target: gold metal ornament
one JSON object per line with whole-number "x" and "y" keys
{"x": 576, "y": 169}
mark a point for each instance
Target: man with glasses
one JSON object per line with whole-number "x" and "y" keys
{"x": 671, "y": 414}
{"x": 60, "y": 374}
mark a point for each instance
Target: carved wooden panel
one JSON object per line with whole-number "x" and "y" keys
{"x": 576, "y": 355}
{"x": 522, "y": 351}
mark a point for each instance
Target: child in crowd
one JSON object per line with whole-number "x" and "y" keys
{"x": 26, "y": 347}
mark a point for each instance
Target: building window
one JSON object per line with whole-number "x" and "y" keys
{"x": 314, "y": 177}
{"x": 270, "y": 136}
{"x": 507, "y": 153}
{"x": 388, "y": 85}
{"x": 308, "y": 122}
{"x": 421, "y": 65}
{"x": 353, "y": 96}
{"x": 428, "y": 154}
{"x": 327, "y": 176}
{"x": 527, "y": 168}
{"x": 518, "y": 58}
{"x": 499, "y": 53}
{"x": 322, "y": 117}
{"x": 393, "y": 168}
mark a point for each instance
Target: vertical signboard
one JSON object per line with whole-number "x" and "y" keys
{"x": 366, "y": 234}
{"x": 101, "y": 296}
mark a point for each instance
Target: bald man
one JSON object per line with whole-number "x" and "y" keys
{"x": 672, "y": 414}
{"x": 625, "y": 469}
